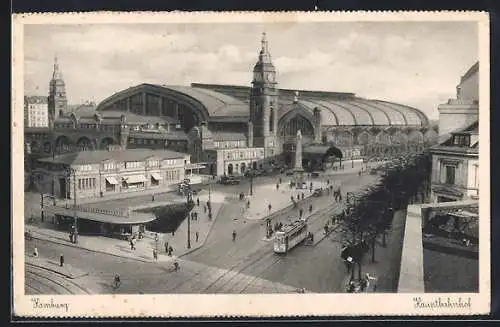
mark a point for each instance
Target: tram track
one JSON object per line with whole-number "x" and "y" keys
{"x": 62, "y": 284}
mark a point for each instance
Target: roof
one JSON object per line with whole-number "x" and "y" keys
{"x": 163, "y": 135}
{"x": 217, "y": 104}
{"x": 228, "y": 136}
{"x": 92, "y": 157}
{"x": 35, "y": 99}
{"x": 446, "y": 140}
{"x": 471, "y": 71}
{"x": 94, "y": 215}
{"x": 337, "y": 108}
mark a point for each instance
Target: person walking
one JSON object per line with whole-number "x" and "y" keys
{"x": 153, "y": 198}
{"x": 301, "y": 212}
{"x": 298, "y": 197}
{"x": 166, "y": 247}
{"x": 61, "y": 260}
{"x": 170, "y": 250}
{"x": 198, "y": 201}
{"x": 155, "y": 254}
{"x": 196, "y": 236}
{"x": 234, "y": 235}
{"x": 310, "y": 208}
{"x": 277, "y": 187}
{"x": 35, "y": 252}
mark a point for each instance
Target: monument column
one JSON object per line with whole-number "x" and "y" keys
{"x": 298, "y": 170}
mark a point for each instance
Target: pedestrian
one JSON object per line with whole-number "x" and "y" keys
{"x": 173, "y": 233}
{"x": 35, "y": 252}
{"x": 269, "y": 207}
{"x": 205, "y": 209}
{"x": 198, "y": 201}
{"x": 234, "y": 235}
{"x": 300, "y": 213}
{"x": 280, "y": 180}
{"x": 153, "y": 198}
{"x": 310, "y": 208}
{"x": 196, "y": 235}
{"x": 277, "y": 187}
{"x": 298, "y": 197}
{"x": 155, "y": 254}
{"x": 248, "y": 204}
{"x": 61, "y": 260}
{"x": 170, "y": 250}
{"x": 131, "y": 244}
{"x": 157, "y": 237}
{"x": 71, "y": 237}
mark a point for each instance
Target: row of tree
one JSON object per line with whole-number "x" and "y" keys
{"x": 368, "y": 216}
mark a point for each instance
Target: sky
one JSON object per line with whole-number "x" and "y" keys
{"x": 413, "y": 63}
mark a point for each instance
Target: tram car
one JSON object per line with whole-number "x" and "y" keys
{"x": 289, "y": 236}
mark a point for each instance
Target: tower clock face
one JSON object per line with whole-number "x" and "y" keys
{"x": 270, "y": 77}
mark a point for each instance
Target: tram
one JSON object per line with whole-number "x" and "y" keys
{"x": 289, "y": 236}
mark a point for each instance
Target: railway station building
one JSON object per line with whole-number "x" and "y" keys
{"x": 229, "y": 128}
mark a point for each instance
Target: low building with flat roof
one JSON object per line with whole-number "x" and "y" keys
{"x": 93, "y": 174}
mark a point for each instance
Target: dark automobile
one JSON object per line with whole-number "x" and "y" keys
{"x": 314, "y": 174}
{"x": 289, "y": 173}
{"x": 229, "y": 180}
{"x": 318, "y": 192}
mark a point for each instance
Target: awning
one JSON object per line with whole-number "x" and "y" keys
{"x": 156, "y": 176}
{"x": 112, "y": 180}
{"x": 135, "y": 179}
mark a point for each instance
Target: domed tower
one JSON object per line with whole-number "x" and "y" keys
{"x": 57, "y": 100}
{"x": 264, "y": 103}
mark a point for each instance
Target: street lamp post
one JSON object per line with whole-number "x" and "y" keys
{"x": 188, "y": 196}
{"x": 73, "y": 172}
{"x": 251, "y": 183}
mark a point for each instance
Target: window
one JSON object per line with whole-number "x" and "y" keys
{"x": 109, "y": 166}
{"x": 154, "y": 182}
{"x": 79, "y": 184}
{"x": 450, "y": 174}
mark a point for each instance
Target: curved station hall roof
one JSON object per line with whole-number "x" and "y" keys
{"x": 336, "y": 109}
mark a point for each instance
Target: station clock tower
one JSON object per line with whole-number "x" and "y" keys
{"x": 264, "y": 104}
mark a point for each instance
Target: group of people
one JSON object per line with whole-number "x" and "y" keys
{"x": 362, "y": 284}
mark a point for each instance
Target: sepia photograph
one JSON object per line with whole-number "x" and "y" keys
{"x": 257, "y": 157}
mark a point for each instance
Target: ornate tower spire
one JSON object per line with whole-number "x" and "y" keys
{"x": 264, "y": 55}
{"x": 56, "y": 74}
{"x": 57, "y": 101}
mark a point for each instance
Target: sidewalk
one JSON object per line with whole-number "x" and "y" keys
{"x": 387, "y": 263}
{"x": 145, "y": 246}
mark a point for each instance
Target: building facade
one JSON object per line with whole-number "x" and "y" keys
{"x": 104, "y": 173}
{"x": 455, "y": 161}
{"x": 202, "y": 119}
{"x": 36, "y": 112}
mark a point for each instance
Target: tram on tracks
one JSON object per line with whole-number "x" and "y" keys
{"x": 290, "y": 235}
